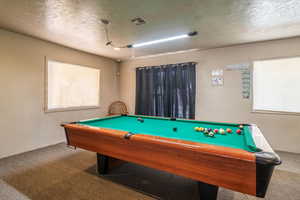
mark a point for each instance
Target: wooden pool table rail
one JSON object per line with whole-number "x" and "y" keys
{"x": 222, "y": 166}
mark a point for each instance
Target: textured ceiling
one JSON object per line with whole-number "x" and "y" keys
{"x": 76, "y": 23}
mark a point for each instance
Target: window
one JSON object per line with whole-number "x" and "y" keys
{"x": 70, "y": 87}
{"x": 276, "y": 85}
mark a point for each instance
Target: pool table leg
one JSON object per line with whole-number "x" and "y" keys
{"x": 102, "y": 164}
{"x": 207, "y": 191}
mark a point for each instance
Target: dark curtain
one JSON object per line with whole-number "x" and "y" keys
{"x": 166, "y": 90}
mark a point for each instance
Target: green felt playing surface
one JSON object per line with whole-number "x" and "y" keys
{"x": 163, "y": 127}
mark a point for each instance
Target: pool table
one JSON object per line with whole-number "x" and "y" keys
{"x": 241, "y": 162}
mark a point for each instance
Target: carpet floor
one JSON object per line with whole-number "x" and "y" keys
{"x": 61, "y": 173}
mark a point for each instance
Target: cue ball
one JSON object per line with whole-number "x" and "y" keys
{"x": 222, "y": 131}
{"x": 241, "y": 126}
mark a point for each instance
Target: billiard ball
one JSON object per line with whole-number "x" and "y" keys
{"x": 216, "y": 130}
{"x": 196, "y": 128}
{"x": 205, "y": 130}
{"x": 211, "y": 134}
{"x": 222, "y": 131}
{"x": 228, "y": 130}
{"x": 239, "y": 131}
{"x": 140, "y": 120}
{"x": 209, "y": 129}
{"x": 241, "y": 126}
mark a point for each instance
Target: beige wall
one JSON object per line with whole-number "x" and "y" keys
{"x": 24, "y": 125}
{"x": 226, "y": 103}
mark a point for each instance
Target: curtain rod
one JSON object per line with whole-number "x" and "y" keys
{"x": 165, "y": 65}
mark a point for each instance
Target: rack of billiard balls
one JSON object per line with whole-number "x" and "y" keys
{"x": 211, "y": 132}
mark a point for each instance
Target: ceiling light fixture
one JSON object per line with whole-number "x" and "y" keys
{"x": 163, "y": 40}
{"x": 117, "y": 48}
{"x": 108, "y": 41}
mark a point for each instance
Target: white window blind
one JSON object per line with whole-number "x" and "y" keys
{"x": 276, "y": 85}
{"x": 71, "y": 86}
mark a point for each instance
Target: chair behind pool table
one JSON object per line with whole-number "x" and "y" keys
{"x": 117, "y": 108}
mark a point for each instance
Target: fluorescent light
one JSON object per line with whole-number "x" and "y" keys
{"x": 161, "y": 40}
{"x": 117, "y": 48}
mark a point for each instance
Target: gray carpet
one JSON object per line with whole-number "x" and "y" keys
{"x": 60, "y": 173}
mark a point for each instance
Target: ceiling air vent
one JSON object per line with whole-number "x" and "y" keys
{"x": 138, "y": 21}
